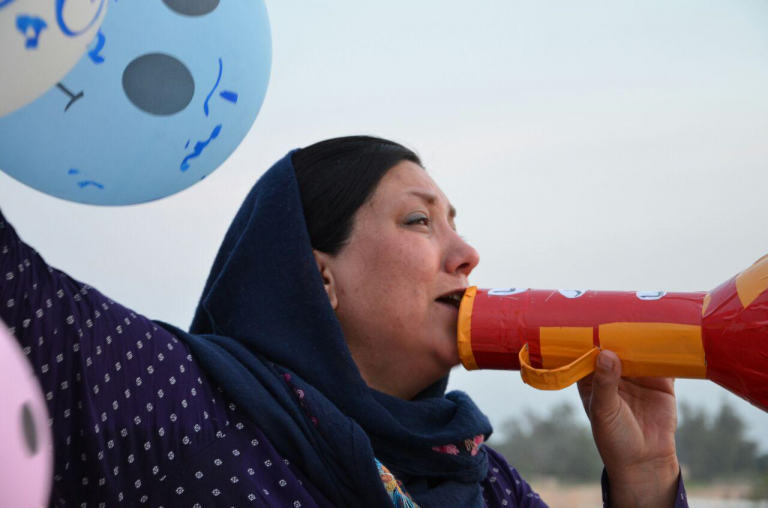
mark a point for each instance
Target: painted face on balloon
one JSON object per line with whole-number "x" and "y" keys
{"x": 167, "y": 91}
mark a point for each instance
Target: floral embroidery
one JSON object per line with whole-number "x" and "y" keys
{"x": 400, "y": 498}
{"x": 300, "y": 395}
{"x": 472, "y": 446}
{"x": 449, "y": 449}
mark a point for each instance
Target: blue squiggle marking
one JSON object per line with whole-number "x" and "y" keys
{"x": 187, "y": 145}
{"x": 86, "y": 183}
{"x": 24, "y": 23}
{"x": 205, "y": 104}
{"x": 5, "y": 3}
{"x": 199, "y": 147}
{"x": 229, "y": 96}
{"x": 94, "y": 54}
{"x": 63, "y": 24}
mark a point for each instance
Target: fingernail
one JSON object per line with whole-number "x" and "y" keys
{"x": 606, "y": 362}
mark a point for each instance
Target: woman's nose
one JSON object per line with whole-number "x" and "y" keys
{"x": 462, "y": 257}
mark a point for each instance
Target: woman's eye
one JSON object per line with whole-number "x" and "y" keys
{"x": 418, "y": 220}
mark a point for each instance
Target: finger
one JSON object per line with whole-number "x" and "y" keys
{"x": 605, "y": 403}
{"x": 585, "y": 391}
{"x": 658, "y": 384}
{"x": 585, "y": 387}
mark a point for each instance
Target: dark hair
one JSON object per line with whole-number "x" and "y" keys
{"x": 336, "y": 177}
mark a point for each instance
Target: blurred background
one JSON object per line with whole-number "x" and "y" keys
{"x": 592, "y": 144}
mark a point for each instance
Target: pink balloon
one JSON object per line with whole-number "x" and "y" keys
{"x": 26, "y": 456}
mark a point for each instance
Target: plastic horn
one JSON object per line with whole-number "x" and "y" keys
{"x": 554, "y": 337}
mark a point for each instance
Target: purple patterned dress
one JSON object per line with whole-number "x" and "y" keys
{"x": 135, "y": 420}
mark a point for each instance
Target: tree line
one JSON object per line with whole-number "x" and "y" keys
{"x": 710, "y": 447}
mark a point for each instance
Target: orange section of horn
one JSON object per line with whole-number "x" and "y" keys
{"x": 561, "y": 344}
{"x": 752, "y": 282}
{"x": 465, "y": 330}
{"x": 656, "y": 349}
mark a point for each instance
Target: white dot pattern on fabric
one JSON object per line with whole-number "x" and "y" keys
{"x": 130, "y": 408}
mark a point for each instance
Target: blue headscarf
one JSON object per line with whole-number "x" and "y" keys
{"x": 266, "y": 333}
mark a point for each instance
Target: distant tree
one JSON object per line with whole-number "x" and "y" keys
{"x": 714, "y": 447}
{"x": 693, "y": 440}
{"x": 760, "y": 486}
{"x": 759, "y": 489}
{"x": 762, "y": 463}
{"x": 556, "y": 445}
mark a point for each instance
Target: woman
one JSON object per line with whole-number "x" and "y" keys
{"x": 314, "y": 373}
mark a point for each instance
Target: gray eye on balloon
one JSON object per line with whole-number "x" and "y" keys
{"x": 192, "y": 7}
{"x": 29, "y": 428}
{"x": 158, "y": 84}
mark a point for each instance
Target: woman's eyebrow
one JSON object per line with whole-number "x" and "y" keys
{"x": 432, "y": 200}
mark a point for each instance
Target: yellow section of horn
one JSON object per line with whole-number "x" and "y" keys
{"x": 753, "y": 281}
{"x": 656, "y": 349}
{"x": 560, "y": 345}
{"x": 464, "y": 334}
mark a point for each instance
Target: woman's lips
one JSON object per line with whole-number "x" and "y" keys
{"x": 450, "y": 307}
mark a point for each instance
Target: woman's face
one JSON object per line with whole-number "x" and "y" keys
{"x": 389, "y": 285}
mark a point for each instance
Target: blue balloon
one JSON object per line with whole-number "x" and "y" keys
{"x": 166, "y": 92}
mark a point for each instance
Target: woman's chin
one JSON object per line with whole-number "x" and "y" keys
{"x": 450, "y": 357}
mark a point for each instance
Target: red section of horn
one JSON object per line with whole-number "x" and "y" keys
{"x": 733, "y": 319}
{"x": 736, "y": 343}
{"x": 502, "y": 325}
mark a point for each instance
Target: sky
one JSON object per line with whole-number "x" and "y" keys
{"x": 592, "y": 144}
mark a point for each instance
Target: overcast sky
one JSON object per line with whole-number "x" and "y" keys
{"x": 592, "y": 144}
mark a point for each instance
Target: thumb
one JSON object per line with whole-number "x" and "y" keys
{"x": 605, "y": 403}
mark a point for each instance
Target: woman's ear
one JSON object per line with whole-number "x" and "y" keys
{"x": 324, "y": 262}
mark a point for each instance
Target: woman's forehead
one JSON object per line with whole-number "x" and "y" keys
{"x": 410, "y": 181}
